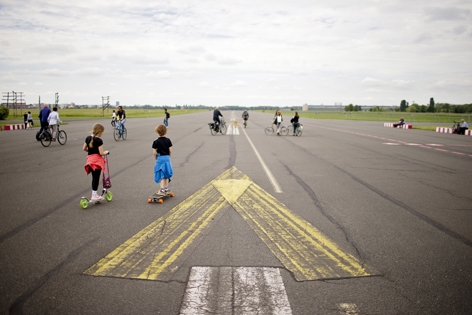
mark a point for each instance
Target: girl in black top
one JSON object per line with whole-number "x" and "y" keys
{"x": 93, "y": 145}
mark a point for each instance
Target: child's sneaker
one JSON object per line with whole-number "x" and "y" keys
{"x": 94, "y": 197}
{"x": 166, "y": 190}
{"x": 162, "y": 191}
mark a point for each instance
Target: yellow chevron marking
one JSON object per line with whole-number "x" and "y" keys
{"x": 153, "y": 252}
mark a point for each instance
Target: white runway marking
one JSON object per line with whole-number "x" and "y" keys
{"x": 232, "y": 130}
{"x": 269, "y": 174}
{"x": 235, "y": 290}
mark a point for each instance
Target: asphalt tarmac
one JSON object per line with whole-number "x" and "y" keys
{"x": 355, "y": 218}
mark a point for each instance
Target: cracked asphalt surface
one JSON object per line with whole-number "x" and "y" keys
{"x": 398, "y": 200}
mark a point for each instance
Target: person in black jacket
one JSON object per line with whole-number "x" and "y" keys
{"x": 295, "y": 123}
{"x": 216, "y": 117}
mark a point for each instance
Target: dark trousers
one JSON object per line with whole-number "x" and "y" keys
{"x": 95, "y": 179}
{"x": 44, "y": 126}
{"x": 461, "y": 130}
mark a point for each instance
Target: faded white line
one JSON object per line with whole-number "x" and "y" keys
{"x": 269, "y": 174}
{"x": 348, "y": 308}
{"x": 235, "y": 290}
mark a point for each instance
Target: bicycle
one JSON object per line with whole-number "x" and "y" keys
{"x": 215, "y": 128}
{"x": 120, "y": 131}
{"x": 46, "y": 136}
{"x": 245, "y": 123}
{"x": 270, "y": 130}
{"x": 298, "y": 132}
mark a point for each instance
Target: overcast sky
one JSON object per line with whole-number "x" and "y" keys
{"x": 247, "y": 53}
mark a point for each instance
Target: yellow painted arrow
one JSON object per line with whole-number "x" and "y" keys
{"x": 153, "y": 252}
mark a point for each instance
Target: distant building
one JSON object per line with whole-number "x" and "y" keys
{"x": 305, "y": 107}
{"x": 117, "y": 103}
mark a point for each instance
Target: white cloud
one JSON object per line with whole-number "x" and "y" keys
{"x": 370, "y": 52}
{"x": 239, "y": 83}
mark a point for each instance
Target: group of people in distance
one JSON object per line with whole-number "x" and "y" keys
{"x": 278, "y": 119}
{"x": 278, "y": 122}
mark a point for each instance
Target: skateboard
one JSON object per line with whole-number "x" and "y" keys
{"x": 85, "y": 202}
{"x": 159, "y": 197}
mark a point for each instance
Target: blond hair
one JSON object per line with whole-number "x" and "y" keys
{"x": 97, "y": 130}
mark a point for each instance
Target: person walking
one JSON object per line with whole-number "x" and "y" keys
{"x": 295, "y": 123}
{"x": 166, "y": 118}
{"x": 25, "y": 120}
{"x": 162, "y": 150}
{"x": 53, "y": 119}
{"x": 43, "y": 118}
{"x": 95, "y": 163}
{"x": 30, "y": 121}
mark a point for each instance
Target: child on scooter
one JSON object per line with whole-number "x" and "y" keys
{"x": 95, "y": 164}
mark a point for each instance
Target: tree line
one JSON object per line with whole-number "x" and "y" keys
{"x": 435, "y": 108}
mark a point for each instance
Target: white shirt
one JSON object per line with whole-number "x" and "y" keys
{"x": 465, "y": 125}
{"x": 53, "y": 118}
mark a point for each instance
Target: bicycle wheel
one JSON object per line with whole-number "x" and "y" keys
{"x": 299, "y": 130}
{"x": 124, "y": 133}
{"x": 290, "y": 129}
{"x": 213, "y": 131}
{"x": 245, "y": 123}
{"x": 62, "y": 137}
{"x": 283, "y": 131}
{"x": 46, "y": 139}
{"x": 269, "y": 131}
{"x": 116, "y": 134}
{"x": 223, "y": 129}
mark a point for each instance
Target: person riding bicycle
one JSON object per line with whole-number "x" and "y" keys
{"x": 43, "y": 118}
{"x": 216, "y": 117}
{"x": 53, "y": 119}
{"x": 295, "y": 123}
{"x": 121, "y": 116}
{"x": 245, "y": 116}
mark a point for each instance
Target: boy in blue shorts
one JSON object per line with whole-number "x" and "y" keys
{"x": 162, "y": 150}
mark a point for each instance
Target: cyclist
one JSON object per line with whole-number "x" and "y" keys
{"x": 53, "y": 120}
{"x": 121, "y": 116}
{"x": 216, "y": 117}
{"x": 295, "y": 123}
{"x": 43, "y": 118}
{"x": 245, "y": 117}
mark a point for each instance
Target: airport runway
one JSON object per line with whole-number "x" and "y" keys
{"x": 350, "y": 218}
